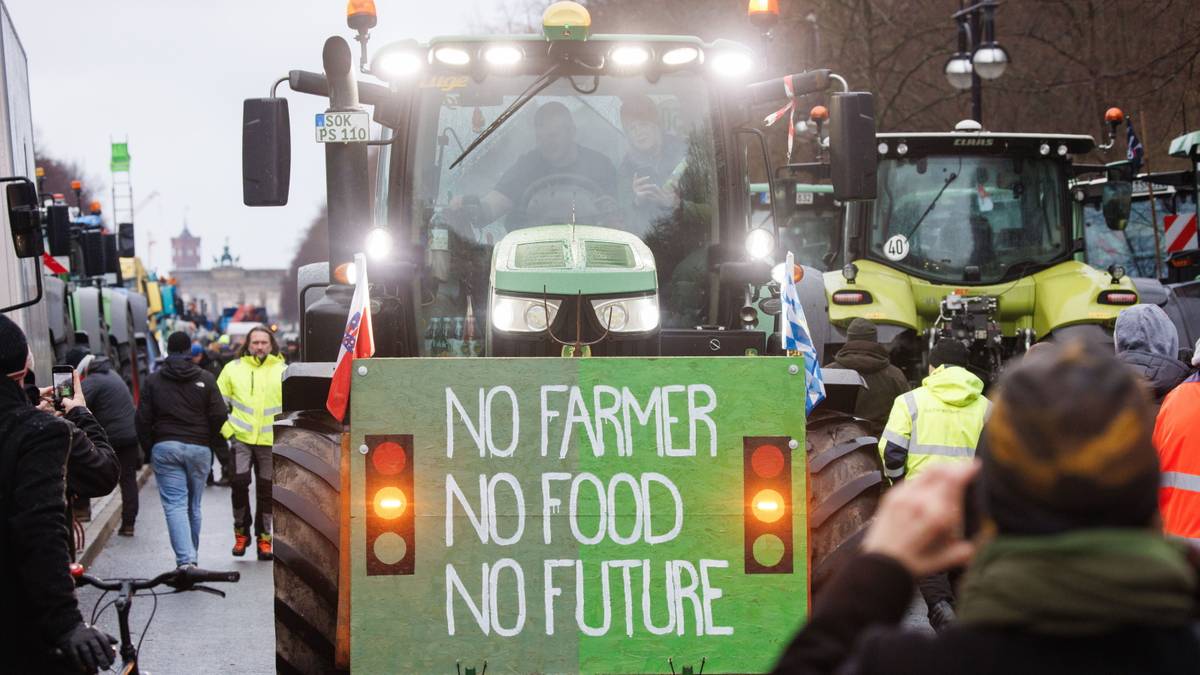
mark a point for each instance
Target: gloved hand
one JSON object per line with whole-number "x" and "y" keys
{"x": 89, "y": 649}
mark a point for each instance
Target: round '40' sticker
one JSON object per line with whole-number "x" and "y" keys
{"x": 896, "y": 248}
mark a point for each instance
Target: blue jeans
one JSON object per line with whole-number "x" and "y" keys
{"x": 180, "y": 470}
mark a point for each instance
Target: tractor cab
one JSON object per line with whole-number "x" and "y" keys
{"x": 972, "y": 237}
{"x": 564, "y": 193}
{"x": 971, "y": 207}
{"x": 569, "y": 195}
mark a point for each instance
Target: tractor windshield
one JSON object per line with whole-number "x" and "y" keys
{"x": 613, "y": 151}
{"x": 961, "y": 218}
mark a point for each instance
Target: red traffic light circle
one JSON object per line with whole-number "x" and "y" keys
{"x": 767, "y": 461}
{"x": 389, "y": 458}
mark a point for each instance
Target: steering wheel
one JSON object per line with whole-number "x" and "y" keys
{"x": 558, "y": 195}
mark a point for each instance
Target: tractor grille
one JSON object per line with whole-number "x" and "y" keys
{"x": 607, "y": 254}
{"x": 541, "y": 255}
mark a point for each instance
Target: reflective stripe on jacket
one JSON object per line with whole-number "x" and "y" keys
{"x": 940, "y": 421}
{"x": 1177, "y": 438}
{"x": 254, "y": 393}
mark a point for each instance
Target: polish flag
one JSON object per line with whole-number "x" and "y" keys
{"x": 357, "y": 342}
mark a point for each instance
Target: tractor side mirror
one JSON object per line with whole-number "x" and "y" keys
{"x": 266, "y": 152}
{"x": 92, "y": 243}
{"x": 26, "y": 220}
{"x": 112, "y": 262}
{"x": 852, "y": 157}
{"x": 125, "y": 241}
{"x": 1115, "y": 202}
{"x": 58, "y": 229}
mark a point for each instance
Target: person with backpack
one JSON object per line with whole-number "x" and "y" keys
{"x": 112, "y": 404}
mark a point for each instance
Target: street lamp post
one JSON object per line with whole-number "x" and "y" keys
{"x": 979, "y": 57}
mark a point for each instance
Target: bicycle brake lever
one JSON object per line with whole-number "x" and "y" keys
{"x": 207, "y": 589}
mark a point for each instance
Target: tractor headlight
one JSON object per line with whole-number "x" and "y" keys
{"x": 628, "y": 315}
{"x": 379, "y": 243}
{"x": 522, "y": 315}
{"x": 760, "y": 243}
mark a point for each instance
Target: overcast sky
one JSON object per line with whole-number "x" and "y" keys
{"x": 171, "y": 75}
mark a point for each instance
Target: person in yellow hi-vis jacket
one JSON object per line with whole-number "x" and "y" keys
{"x": 252, "y": 386}
{"x": 936, "y": 423}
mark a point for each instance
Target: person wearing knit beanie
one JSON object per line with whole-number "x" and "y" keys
{"x": 861, "y": 329}
{"x": 1044, "y": 472}
{"x": 45, "y": 456}
{"x": 1070, "y": 574}
{"x": 15, "y": 357}
{"x": 883, "y": 381}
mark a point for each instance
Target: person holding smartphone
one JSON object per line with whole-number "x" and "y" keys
{"x": 40, "y": 613}
{"x": 1071, "y": 572}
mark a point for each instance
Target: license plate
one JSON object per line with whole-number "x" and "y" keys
{"x": 343, "y": 127}
{"x": 803, "y": 198}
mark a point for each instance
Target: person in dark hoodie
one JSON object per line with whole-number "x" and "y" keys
{"x": 1072, "y": 574}
{"x": 863, "y": 354}
{"x": 1147, "y": 341}
{"x": 179, "y": 418}
{"x": 112, "y": 404}
{"x": 40, "y": 612}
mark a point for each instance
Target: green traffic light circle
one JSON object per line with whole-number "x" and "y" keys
{"x": 768, "y": 550}
{"x": 390, "y": 548}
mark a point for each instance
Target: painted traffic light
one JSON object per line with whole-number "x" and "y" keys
{"x": 391, "y": 536}
{"x": 767, "y": 516}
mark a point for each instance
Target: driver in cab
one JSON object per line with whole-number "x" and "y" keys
{"x": 557, "y": 160}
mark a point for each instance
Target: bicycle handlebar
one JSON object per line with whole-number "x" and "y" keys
{"x": 181, "y": 579}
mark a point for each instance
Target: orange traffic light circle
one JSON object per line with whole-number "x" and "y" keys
{"x": 389, "y": 458}
{"x": 768, "y": 505}
{"x": 390, "y": 503}
{"x": 767, "y": 461}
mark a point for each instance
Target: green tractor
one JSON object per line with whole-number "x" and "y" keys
{"x": 973, "y": 236}
{"x": 559, "y": 195}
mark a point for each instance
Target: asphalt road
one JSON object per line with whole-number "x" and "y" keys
{"x": 192, "y": 632}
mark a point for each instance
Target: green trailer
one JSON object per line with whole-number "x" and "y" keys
{"x": 661, "y": 502}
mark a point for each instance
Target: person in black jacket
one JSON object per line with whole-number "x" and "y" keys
{"x": 179, "y": 418}
{"x": 1073, "y": 575}
{"x": 40, "y": 612}
{"x": 110, "y": 401}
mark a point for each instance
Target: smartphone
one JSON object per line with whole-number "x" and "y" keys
{"x": 63, "y": 378}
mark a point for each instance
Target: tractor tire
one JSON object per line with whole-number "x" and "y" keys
{"x": 307, "y": 501}
{"x": 845, "y": 482}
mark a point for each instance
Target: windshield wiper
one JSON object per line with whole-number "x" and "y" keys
{"x": 535, "y": 88}
{"x": 949, "y": 180}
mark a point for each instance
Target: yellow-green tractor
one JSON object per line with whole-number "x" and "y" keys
{"x": 973, "y": 236}
{"x": 664, "y": 503}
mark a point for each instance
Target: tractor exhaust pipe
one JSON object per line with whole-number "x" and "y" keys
{"x": 347, "y": 181}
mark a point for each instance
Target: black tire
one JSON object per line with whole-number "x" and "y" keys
{"x": 307, "y": 499}
{"x": 845, "y": 482}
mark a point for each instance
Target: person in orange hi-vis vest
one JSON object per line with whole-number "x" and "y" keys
{"x": 1177, "y": 438}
